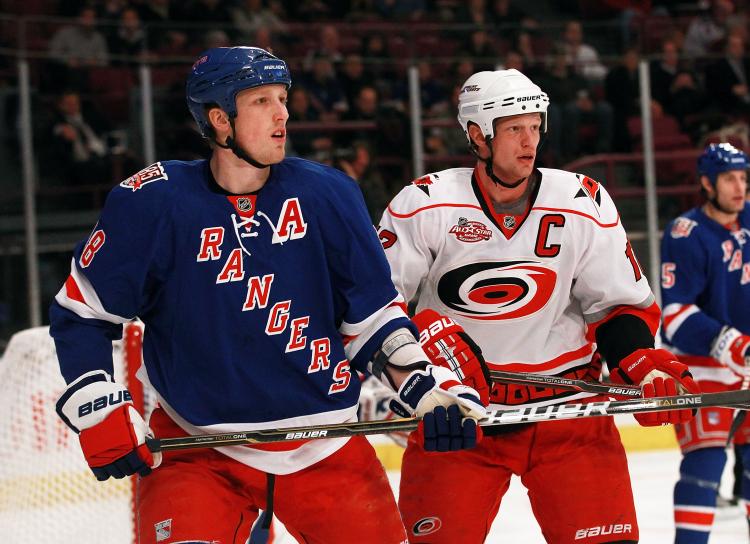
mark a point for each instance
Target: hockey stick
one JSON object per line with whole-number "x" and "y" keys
{"x": 541, "y": 380}
{"x": 531, "y": 414}
{"x": 521, "y": 378}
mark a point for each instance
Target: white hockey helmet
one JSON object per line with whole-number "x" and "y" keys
{"x": 485, "y": 96}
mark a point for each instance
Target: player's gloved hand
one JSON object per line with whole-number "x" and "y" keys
{"x": 449, "y": 409}
{"x": 659, "y": 374}
{"x": 448, "y": 344}
{"x": 732, "y": 349}
{"x": 111, "y": 431}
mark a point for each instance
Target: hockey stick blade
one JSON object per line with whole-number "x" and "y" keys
{"x": 532, "y": 414}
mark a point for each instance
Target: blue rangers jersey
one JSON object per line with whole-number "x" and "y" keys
{"x": 705, "y": 285}
{"x": 257, "y": 307}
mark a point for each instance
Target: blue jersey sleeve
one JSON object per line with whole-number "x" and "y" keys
{"x": 112, "y": 275}
{"x": 371, "y": 306}
{"x": 685, "y": 269}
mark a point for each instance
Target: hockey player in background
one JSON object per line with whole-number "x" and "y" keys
{"x": 705, "y": 286}
{"x": 535, "y": 265}
{"x": 263, "y": 287}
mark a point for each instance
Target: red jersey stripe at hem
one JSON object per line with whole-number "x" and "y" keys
{"x": 552, "y": 364}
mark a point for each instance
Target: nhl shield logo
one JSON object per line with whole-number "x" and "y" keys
{"x": 244, "y": 204}
{"x": 509, "y": 222}
{"x": 163, "y": 530}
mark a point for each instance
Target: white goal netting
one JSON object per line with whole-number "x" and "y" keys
{"x": 47, "y": 492}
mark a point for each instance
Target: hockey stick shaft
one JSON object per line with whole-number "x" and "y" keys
{"x": 532, "y": 414}
{"x": 540, "y": 380}
{"x": 556, "y": 382}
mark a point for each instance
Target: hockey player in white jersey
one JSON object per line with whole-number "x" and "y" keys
{"x": 535, "y": 265}
{"x": 706, "y": 294}
{"x": 262, "y": 287}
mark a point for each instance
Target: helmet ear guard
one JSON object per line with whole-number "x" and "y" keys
{"x": 221, "y": 73}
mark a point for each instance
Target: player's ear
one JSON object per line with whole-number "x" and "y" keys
{"x": 476, "y": 135}
{"x": 218, "y": 119}
{"x": 706, "y": 184}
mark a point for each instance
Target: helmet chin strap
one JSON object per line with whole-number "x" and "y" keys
{"x": 488, "y": 167}
{"x": 237, "y": 150}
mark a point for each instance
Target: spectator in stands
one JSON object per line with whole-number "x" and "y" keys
{"x": 353, "y": 77}
{"x": 375, "y": 50}
{"x": 474, "y": 12}
{"x": 572, "y": 105}
{"x": 622, "y": 91}
{"x": 110, "y": 10}
{"x": 663, "y": 70}
{"x": 706, "y": 31}
{"x": 156, "y": 15}
{"x": 356, "y": 162}
{"x": 582, "y": 57}
{"x": 216, "y": 38}
{"x": 77, "y": 143}
{"x": 329, "y": 43}
{"x": 249, "y": 16}
{"x": 74, "y": 48}
{"x": 128, "y": 38}
{"x": 305, "y": 143}
{"x": 446, "y": 140}
{"x": 673, "y": 86}
{"x": 505, "y": 13}
{"x": 325, "y": 92}
{"x": 479, "y": 47}
{"x": 365, "y": 107}
{"x": 727, "y": 78}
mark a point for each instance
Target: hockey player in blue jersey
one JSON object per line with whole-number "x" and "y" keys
{"x": 706, "y": 295}
{"x": 263, "y": 287}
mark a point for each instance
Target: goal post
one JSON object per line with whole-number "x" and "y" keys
{"x": 47, "y": 491}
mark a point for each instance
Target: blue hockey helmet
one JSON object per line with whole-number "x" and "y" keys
{"x": 222, "y": 72}
{"x": 718, "y": 158}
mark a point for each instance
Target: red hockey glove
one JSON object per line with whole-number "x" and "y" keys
{"x": 111, "y": 431}
{"x": 660, "y": 375}
{"x": 447, "y": 344}
{"x": 732, "y": 349}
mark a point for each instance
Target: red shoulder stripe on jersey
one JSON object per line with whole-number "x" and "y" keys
{"x": 576, "y": 212}
{"x": 415, "y": 212}
{"x": 650, "y": 316}
{"x": 579, "y": 353}
{"x": 72, "y": 290}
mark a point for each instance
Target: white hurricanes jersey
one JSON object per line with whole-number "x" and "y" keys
{"x": 530, "y": 290}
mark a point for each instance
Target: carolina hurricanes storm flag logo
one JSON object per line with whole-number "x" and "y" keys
{"x": 470, "y": 231}
{"x": 497, "y": 290}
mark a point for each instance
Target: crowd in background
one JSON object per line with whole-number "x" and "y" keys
{"x": 349, "y": 103}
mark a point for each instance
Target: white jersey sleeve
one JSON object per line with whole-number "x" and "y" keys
{"x": 607, "y": 274}
{"x": 410, "y": 237}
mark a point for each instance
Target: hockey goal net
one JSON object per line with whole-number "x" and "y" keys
{"x": 47, "y": 492}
